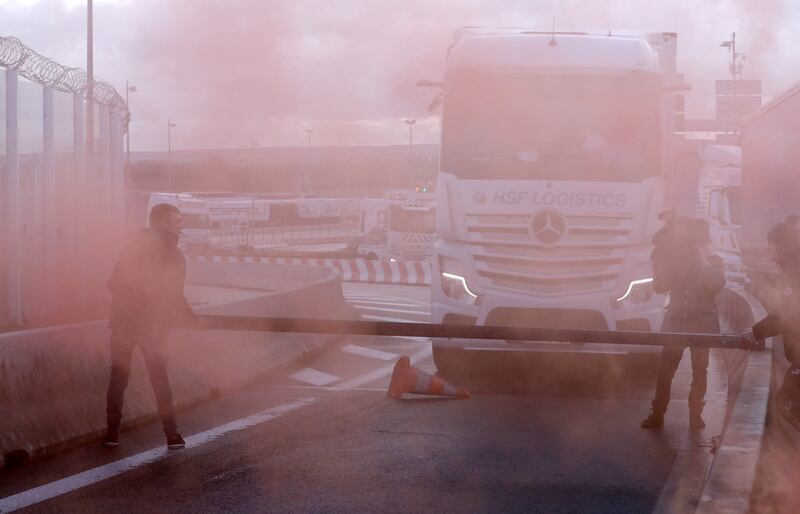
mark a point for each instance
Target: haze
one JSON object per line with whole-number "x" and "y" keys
{"x": 237, "y": 71}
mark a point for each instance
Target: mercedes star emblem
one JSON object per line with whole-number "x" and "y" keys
{"x": 548, "y": 226}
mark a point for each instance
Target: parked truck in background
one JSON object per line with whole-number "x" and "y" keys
{"x": 719, "y": 194}
{"x": 396, "y": 229}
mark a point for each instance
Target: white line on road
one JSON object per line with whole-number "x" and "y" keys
{"x": 314, "y": 377}
{"x": 369, "y": 352}
{"x": 381, "y": 372}
{"x": 112, "y": 469}
{"x": 398, "y": 311}
{"x": 374, "y": 298}
{"x": 390, "y": 318}
{"x": 365, "y": 303}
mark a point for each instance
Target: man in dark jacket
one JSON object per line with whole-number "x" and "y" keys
{"x": 784, "y": 242}
{"x": 146, "y": 302}
{"x": 692, "y": 279}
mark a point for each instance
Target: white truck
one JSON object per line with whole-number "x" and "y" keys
{"x": 556, "y": 152}
{"x": 412, "y": 230}
{"x": 397, "y": 229}
{"x": 204, "y": 215}
{"x": 719, "y": 191}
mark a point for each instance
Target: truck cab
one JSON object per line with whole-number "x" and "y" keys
{"x": 555, "y": 149}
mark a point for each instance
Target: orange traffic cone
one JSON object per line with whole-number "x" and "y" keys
{"x": 408, "y": 379}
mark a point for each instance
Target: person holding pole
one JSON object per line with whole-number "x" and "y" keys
{"x": 784, "y": 319}
{"x": 683, "y": 267}
{"x": 147, "y": 301}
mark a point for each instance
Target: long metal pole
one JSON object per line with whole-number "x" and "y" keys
{"x": 522, "y": 334}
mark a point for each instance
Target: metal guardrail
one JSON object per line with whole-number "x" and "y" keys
{"x": 387, "y": 328}
{"x": 283, "y": 233}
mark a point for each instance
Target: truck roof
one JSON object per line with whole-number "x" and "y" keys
{"x": 576, "y": 52}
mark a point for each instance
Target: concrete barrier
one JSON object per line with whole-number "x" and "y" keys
{"x": 352, "y": 270}
{"x": 53, "y": 381}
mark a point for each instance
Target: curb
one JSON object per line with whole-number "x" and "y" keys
{"x": 731, "y": 480}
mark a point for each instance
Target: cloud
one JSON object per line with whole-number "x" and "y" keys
{"x": 230, "y": 71}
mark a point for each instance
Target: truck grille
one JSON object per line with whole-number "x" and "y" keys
{"x": 587, "y": 257}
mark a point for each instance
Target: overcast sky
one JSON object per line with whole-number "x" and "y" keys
{"x": 233, "y": 71}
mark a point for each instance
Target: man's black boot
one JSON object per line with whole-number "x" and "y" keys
{"x": 655, "y": 419}
{"x": 696, "y": 416}
{"x": 111, "y": 439}
{"x": 175, "y": 441}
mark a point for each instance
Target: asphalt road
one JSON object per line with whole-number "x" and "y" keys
{"x": 323, "y": 437}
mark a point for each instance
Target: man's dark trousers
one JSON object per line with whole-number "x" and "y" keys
{"x": 154, "y": 351}
{"x": 670, "y": 359}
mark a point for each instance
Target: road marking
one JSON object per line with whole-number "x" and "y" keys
{"x": 416, "y": 339}
{"x": 369, "y": 352}
{"x": 333, "y": 388}
{"x": 399, "y": 311}
{"x": 314, "y": 377}
{"x": 369, "y": 298}
{"x": 112, "y": 469}
{"x": 363, "y": 303}
{"x": 389, "y": 318}
{"x": 381, "y": 372}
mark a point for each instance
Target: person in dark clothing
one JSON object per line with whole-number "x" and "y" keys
{"x": 147, "y": 301}
{"x": 784, "y": 320}
{"x": 682, "y": 268}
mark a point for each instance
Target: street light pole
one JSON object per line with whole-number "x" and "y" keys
{"x": 410, "y": 124}
{"x": 169, "y": 151}
{"x": 254, "y": 145}
{"x": 89, "y": 79}
{"x": 307, "y": 179}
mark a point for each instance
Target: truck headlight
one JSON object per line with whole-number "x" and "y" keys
{"x": 639, "y": 291}
{"x": 454, "y": 284}
{"x": 455, "y": 287}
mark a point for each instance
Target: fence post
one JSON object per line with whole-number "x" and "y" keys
{"x": 47, "y": 196}
{"x": 79, "y": 199}
{"x": 10, "y": 202}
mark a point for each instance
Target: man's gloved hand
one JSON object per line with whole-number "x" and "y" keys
{"x": 749, "y": 341}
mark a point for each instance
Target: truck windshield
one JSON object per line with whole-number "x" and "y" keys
{"x": 412, "y": 220}
{"x": 551, "y": 126}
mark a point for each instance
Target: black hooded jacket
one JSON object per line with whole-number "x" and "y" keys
{"x": 785, "y": 319}
{"x": 691, "y": 281}
{"x": 147, "y": 285}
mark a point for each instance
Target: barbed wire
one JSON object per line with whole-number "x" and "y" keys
{"x": 49, "y": 73}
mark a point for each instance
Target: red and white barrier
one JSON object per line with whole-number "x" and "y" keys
{"x": 357, "y": 270}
